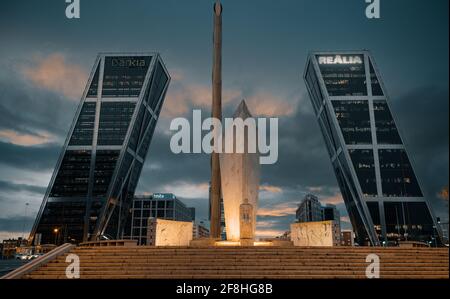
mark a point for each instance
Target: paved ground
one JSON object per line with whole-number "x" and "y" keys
{"x": 9, "y": 265}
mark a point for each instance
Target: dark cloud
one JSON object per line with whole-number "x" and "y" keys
{"x": 26, "y": 109}
{"x": 422, "y": 118}
{"x": 37, "y": 157}
{"x": 303, "y": 160}
{"x": 16, "y": 224}
{"x": 11, "y": 187}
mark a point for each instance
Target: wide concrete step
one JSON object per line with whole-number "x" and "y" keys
{"x": 242, "y": 264}
{"x": 238, "y": 276}
{"x": 248, "y": 252}
{"x": 200, "y": 273}
{"x": 252, "y": 262}
{"x": 216, "y": 255}
{"x": 255, "y": 259}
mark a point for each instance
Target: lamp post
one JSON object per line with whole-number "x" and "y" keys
{"x": 25, "y": 219}
{"x": 55, "y": 231}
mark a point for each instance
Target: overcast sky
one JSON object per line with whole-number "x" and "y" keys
{"x": 45, "y": 60}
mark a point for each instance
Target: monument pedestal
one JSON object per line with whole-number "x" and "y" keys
{"x": 247, "y": 242}
{"x": 206, "y": 242}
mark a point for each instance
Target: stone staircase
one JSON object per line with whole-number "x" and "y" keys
{"x": 142, "y": 262}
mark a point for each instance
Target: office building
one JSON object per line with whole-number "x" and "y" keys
{"x": 309, "y": 209}
{"x": 95, "y": 178}
{"x": 158, "y": 205}
{"x": 330, "y": 212}
{"x": 200, "y": 231}
{"x": 9, "y": 247}
{"x": 347, "y": 238}
{"x": 381, "y": 191}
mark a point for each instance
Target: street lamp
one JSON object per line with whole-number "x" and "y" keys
{"x": 24, "y": 220}
{"x": 55, "y": 231}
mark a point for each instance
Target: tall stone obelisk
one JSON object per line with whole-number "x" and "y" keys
{"x": 215, "y": 229}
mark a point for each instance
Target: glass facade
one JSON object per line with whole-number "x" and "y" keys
{"x": 354, "y": 120}
{"x": 94, "y": 182}
{"x": 377, "y": 172}
{"x": 386, "y": 129}
{"x": 309, "y": 209}
{"x": 62, "y": 222}
{"x": 93, "y": 88}
{"x": 397, "y": 175}
{"x": 408, "y": 221}
{"x": 376, "y": 87}
{"x": 344, "y": 75}
{"x": 374, "y": 211}
{"x": 163, "y": 206}
{"x": 73, "y": 175}
{"x": 105, "y": 163}
{"x": 364, "y": 166}
{"x": 115, "y": 119}
{"x": 124, "y": 76}
{"x": 313, "y": 83}
{"x": 84, "y": 128}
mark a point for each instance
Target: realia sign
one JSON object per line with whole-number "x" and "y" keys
{"x": 340, "y": 59}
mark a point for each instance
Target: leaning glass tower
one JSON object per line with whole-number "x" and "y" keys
{"x": 95, "y": 178}
{"x": 381, "y": 192}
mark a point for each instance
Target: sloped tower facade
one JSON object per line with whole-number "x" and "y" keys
{"x": 382, "y": 194}
{"x": 95, "y": 178}
{"x": 240, "y": 177}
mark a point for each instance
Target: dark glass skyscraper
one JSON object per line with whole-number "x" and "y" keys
{"x": 159, "y": 205}
{"x": 95, "y": 178}
{"x": 382, "y": 194}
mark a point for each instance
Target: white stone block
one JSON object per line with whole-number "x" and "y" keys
{"x": 320, "y": 233}
{"x": 161, "y": 232}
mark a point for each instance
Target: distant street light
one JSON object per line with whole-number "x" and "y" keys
{"x": 56, "y": 230}
{"x": 24, "y": 220}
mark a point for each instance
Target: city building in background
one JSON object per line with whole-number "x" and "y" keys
{"x": 382, "y": 194}
{"x": 158, "y": 205}
{"x": 95, "y": 178}
{"x": 330, "y": 212}
{"x": 9, "y": 247}
{"x": 200, "y": 231}
{"x": 285, "y": 236}
{"x": 347, "y": 238}
{"x": 309, "y": 209}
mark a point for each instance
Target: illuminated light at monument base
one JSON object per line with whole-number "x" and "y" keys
{"x": 238, "y": 243}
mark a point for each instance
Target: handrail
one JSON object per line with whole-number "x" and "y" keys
{"x": 29, "y": 267}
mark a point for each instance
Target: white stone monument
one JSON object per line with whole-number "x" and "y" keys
{"x": 240, "y": 178}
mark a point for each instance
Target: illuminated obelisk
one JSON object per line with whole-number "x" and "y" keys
{"x": 215, "y": 229}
